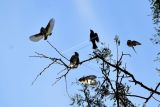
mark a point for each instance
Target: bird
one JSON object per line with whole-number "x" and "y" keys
{"x": 74, "y": 60}
{"x": 133, "y": 43}
{"x": 94, "y": 38}
{"x": 88, "y": 80}
{"x": 44, "y": 32}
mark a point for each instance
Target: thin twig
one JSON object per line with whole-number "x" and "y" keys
{"x": 87, "y": 60}
{"x": 42, "y": 72}
{"x": 60, "y": 77}
{"x": 43, "y": 56}
{"x": 67, "y": 87}
{"x": 156, "y": 99}
{"x": 61, "y": 71}
{"x": 152, "y": 93}
{"x": 130, "y": 75}
{"x": 57, "y": 50}
{"x": 136, "y": 96}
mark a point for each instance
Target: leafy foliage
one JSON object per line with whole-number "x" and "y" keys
{"x": 155, "y": 7}
{"x": 156, "y": 37}
{"x": 114, "y": 85}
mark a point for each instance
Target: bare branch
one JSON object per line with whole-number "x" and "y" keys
{"x": 136, "y": 96}
{"x": 42, "y": 72}
{"x": 156, "y": 99}
{"x": 57, "y": 51}
{"x": 55, "y": 60}
{"x": 43, "y": 56}
{"x": 87, "y": 60}
{"x": 152, "y": 93}
{"x": 129, "y": 74}
{"x": 59, "y": 78}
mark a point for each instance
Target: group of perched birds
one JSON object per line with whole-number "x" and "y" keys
{"x": 74, "y": 60}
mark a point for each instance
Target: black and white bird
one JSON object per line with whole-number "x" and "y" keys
{"x": 133, "y": 43}
{"x": 44, "y": 32}
{"x": 88, "y": 80}
{"x": 94, "y": 38}
{"x": 74, "y": 60}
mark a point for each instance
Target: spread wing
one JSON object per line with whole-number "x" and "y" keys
{"x": 36, "y": 37}
{"x": 50, "y": 26}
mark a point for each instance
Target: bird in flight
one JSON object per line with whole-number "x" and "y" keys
{"x": 88, "y": 80}
{"x": 132, "y": 44}
{"x": 74, "y": 60}
{"x": 94, "y": 38}
{"x": 44, "y": 32}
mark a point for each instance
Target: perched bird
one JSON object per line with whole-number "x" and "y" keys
{"x": 44, "y": 32}
{"x": 133, "y": 43}
{"x": 74, "y": 60}
{"x": 88, "y": 80}
{"x": 94, "y": 38}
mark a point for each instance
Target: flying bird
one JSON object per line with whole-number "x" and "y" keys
{"x": 74, "y": 60}
{"x": 94, "y": 38}
{"x": 132, "y": 44}
{"x": 88, "y": 80}
{"x": 44, "y": 32}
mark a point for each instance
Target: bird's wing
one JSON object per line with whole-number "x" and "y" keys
{"x": 72, "y": 58}
{"x": 50, "y": 26}
{"x": 36, "y": 37}
{"x": 137, "y": 43}
{"x": 72, "y": 61}
{"x": 91, "y": 77}
{"x": 77, "y": 60}
{"x": 81, "y": 79}
{"x": 96, "y": 37}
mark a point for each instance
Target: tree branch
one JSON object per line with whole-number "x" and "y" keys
{"x": 129, "y": 74}
{"x": 57, "y": 51}
{"x": 147, "y": 99}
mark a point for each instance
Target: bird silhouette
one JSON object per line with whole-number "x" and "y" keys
{"x": 88, "y": 80}
{"x": 132, "y": 44}
{"x": 94, "y": 38}
{"x": 44, "y": 32}
{"x": 74, "y": 60}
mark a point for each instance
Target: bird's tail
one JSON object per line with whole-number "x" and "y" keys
{"x": 71, "y": 65}
{"x": 137, "y": 43}
{"x": 94, "y": 45}
{"x": 45, "y": 37}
